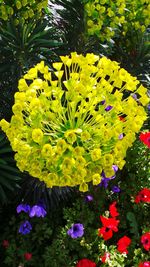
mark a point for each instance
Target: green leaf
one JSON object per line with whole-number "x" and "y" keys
{"x": 133, "y": 223}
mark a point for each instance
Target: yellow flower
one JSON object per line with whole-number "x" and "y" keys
{"x": 83, "y": 187}
{"x": 68, "y": 137}
{"x": 37, "y": 135}
{"x": 61, "y": 146}
{"x": 4, "y": 125}
{"x": 96, "y": 154}
{"x": 46, "y": 150}
{"x": 96, "y": 179}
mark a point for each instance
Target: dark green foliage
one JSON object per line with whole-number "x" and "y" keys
{"x": 133, "y": 52}
{"x": 68, "y": 16}
{"x": 33, "y": 190}
{"x": 9, "y": 174}
{"x": 21, "y": 47}
{"x": 133, "y": 224}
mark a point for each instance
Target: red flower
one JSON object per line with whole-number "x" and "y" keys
{"x": 144, "y": 264}
{"x": 5, "y": 243}
{"x": 28, "y": 256}
{"x": 145, "y": 240}
{"x": 145, "y": 138}
{"x": 113, "y": 209}
{"x": 143, "y": 196}
{"x": 105, "y": 257}
{"x": 109, "y": 225}
{"x": 86, "y": 263}
{"x": 123, "y": 243}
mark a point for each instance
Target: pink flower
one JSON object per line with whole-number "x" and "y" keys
{"x": 144, "y": 264}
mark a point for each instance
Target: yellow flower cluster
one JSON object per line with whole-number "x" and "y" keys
{"x": 104, "y": 17}
{"x": 21, "y": 9}
{"x": 71, "y": 124}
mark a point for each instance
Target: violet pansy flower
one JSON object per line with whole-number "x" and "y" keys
{"x": 23, "y": 207}
{"x": 25, "y": 228}
{"x": 77, "y": 230}
{"x": 37, "y": 211}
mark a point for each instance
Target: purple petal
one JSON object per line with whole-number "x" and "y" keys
{"x": 120, "y": 136}
{"x": 37, "y": 211}
{"x": 102, "y": 102}
{"x": 116, "y": 189}
{"x": 89, "y": 198}
{"x": 115, "y": 168}
{"x": 108, "y": 108}
{"x": 134, "y": 96}
{"x": 77, "y": 230}
{"x": 23, "y": 207}
{"x": 25, "y": 228}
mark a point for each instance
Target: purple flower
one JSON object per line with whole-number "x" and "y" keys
{"x": 37, "y": 211}
{"x": 89, "y": 198}
{"x": 77, "y": 230}
{"x": 108, "y": 108}
{"x": 148, "y": 106}
{"x": 115, "y": 168}
{"x": 23, "y": 207}
{"x": 25, "y": 228}
{"x": 102, "y": 102}
{"x": 105, "y": 180}
{"x": 134, "y": 96}
{"x": 116, "y": 189}
{"x": 120, "y": 136}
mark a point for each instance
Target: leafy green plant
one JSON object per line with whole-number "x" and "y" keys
{"x": 32, "y": 190}
{"x": 133, "y": 54}
{"x": 21, "y": 47}
{"x": 9, "y": 174}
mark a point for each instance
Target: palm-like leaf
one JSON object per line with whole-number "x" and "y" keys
{"x": 21, "y": 47}
{"x": 9, "y": 174}
{"x": 133, "y": 52}
{"x": 68, "y": 16}
{"x": 33, "y": 191}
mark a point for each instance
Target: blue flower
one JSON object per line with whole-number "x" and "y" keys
{"x": 25, "y": 228}
{"x": 23, "y": 207}
{"x": 77, "y": 230}
{"x": 108, "y": 108}
{"x": 37, "y": 211}
{"x": 116, "y": 189}
{"x": 88, "y": 198}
